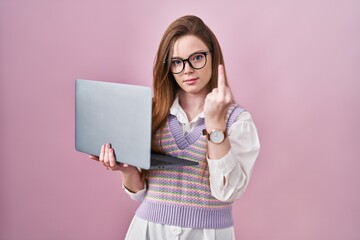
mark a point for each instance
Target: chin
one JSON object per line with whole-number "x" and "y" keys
{"x": 193, "y": 90}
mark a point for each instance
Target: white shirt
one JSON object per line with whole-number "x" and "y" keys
{"x": 229, "y": 175}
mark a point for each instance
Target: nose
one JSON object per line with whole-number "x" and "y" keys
{"x": 187, "y": 67}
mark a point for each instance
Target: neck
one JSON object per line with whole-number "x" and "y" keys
{"x": 192, "y": 104}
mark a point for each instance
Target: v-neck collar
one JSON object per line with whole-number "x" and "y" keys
{"x": 185, "y": 140}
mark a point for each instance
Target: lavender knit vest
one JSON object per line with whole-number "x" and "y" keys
{"x": 181, "y": 196}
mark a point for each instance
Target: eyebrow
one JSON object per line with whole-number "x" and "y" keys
{"x": 198, "y": 51}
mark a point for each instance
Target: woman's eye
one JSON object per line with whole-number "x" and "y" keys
{"x": 176, "y": 62}
{"x": 197, "y": 57}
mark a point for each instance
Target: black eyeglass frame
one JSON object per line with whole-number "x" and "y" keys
{"x": 187, "y": 60}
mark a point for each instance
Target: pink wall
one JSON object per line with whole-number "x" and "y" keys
{"x": 295, "y": 66}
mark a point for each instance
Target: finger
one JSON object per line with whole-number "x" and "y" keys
{"x": 102, "y": 153}
{"x": 221, "y": 80}
{"x": 93, "y": 157}
{"x": 112, "y": 160}
{"x": 106, "y": 155}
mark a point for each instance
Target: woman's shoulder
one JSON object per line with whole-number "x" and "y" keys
{"x": 234, "y": 109}
{"x": 237, "y": 113}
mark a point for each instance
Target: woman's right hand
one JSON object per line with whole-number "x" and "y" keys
{"x": 107, "y": 158}
{"x": 130, "y": 175}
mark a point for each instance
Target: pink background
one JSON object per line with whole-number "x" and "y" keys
{"x": 294, "y": 64}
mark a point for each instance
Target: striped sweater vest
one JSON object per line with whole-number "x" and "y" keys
{"x": 181, "y": 196}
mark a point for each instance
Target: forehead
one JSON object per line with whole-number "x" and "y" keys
{"x": 186, "y": 45}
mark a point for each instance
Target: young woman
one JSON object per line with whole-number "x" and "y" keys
{"x": 196, "y": 118}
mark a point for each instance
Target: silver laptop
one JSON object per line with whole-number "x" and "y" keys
{"x": 119, "y": 114}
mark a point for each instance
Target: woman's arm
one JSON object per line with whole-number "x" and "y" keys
{"x": 230, "y": 173}
{"x": 130, "y": 175}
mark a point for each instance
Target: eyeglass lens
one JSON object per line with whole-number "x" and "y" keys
{"x": 196, "y": 61}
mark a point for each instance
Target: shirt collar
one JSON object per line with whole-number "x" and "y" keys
{"x": 180, "y": 114}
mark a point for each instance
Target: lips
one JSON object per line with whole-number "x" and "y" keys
{"x": 190, "y": 80}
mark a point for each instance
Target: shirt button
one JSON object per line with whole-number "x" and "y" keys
{"x": 176, "y": 230}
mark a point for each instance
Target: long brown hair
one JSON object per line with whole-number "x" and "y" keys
{"x": 165, "y": 86}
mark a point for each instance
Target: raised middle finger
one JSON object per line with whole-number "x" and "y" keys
{"x": 221, "y": 80}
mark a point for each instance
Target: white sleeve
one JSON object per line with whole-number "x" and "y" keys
{"x": 230, "y": 175}
{"x": 138, "y": 196}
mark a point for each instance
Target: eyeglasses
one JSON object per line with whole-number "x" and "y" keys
{"x": 196, "y": 61}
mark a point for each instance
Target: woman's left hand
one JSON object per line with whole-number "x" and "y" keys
{"x": 217, "y": 103}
